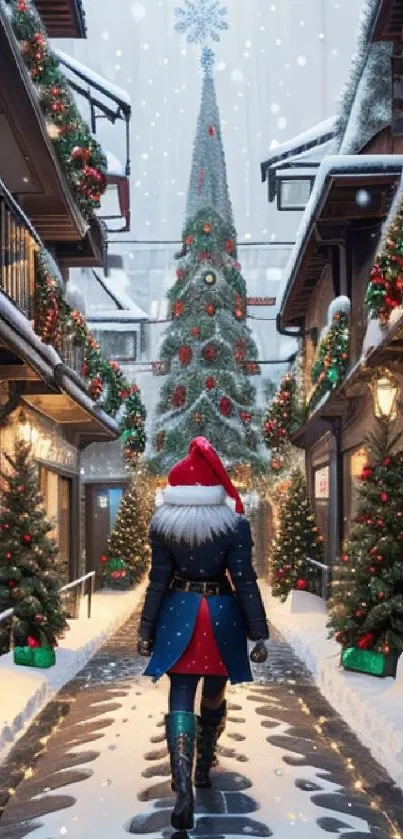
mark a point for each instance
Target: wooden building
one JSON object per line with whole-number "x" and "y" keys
{"x": 350, "y": 200}
{"x": 43, "y": 397}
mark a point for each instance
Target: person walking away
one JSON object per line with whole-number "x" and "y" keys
{"x": 202, "y": 604}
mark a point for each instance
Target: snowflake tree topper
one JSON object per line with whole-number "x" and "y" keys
{"x": 202, "y": 21}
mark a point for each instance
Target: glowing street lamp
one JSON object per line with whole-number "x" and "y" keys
{"x": 385, "y": 394}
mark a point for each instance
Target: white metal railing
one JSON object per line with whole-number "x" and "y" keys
{"x": 325, "y": 574}
{"x": 78, "y": 585}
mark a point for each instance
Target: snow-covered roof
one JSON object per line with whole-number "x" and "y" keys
{"x": 317, "y": 134}
{"x": 332, "y": 166}
{"x": 99, "y": 82}
{"x": 366, "y": 100}
{"x": 313, "y": 156}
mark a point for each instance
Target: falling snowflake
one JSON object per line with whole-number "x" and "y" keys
{"x": 201, "y": 20}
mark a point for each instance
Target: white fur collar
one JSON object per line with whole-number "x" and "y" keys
{"x": 193, "y": 515}
{"x": 194, "y": 496}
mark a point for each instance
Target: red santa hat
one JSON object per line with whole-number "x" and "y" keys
{"x": 203, "y": 467}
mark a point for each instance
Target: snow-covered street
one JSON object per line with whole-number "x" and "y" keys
{"x": 94, "y": 764}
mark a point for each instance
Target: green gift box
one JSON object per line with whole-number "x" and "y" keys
{"x": 370, "y": 662}
{"x": 34, "y": 656}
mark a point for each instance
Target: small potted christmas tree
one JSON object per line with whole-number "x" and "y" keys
{"x": 29, "y": 579}
{"x": 367, "y": 601}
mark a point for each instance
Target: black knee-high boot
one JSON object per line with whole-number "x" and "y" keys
{"x": 181, "y": 734}
{"x": 210, "y": 726}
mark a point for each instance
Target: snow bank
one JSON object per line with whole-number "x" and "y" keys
{"x": 371, "y": 707}
{"x": 24, "y": 691}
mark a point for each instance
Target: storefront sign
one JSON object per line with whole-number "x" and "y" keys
{"x": 261, "y": 301}
{"x": 322, "y": 484}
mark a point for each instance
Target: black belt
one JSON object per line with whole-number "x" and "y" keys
{"x": 199, "y": 587}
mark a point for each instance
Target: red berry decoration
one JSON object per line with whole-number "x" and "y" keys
{"x": 185, "y": 355}
{"x": 210, "y": 383}
{"x": 302, "y": 585}
{"x": 226, "y": 407}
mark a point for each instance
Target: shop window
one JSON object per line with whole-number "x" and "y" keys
{"x": 321, "y": 490}
{"x": 119, "y": 346}
{"x": 356, "y": 461}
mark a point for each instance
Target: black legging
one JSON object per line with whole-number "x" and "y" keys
{"x": 183, "y": 690}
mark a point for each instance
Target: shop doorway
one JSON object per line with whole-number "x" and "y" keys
{"x": 56, "y": 491}
{"x": 101, "y": 508}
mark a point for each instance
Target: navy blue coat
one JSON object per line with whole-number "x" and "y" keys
{"x": 169, "y": 618}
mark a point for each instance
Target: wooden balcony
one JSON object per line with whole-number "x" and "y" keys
{"x": 17, "y": 247}
{"x": 62, "y": 18}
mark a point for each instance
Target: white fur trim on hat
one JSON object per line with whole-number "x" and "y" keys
{"x": 194, "y": 496}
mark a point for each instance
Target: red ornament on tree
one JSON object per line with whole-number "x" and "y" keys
{"x": 281, "y": 573}
{"x": 226, "y": 407}
{"x": 212, "y": 131}
{"x": 210, "y": 383}
{"x": 245, "y": 417}
{"x": 27, "y": 539}
{"x": 195, "y": 332}
{"x": 366, "y": 473}
{"x": 384, "y": 497}
{"x": 179, "y": 397}
{"x": 178, "y": 309}
{"x": 210, "y": 309}
{"x": 209, "y": 352}
{"x": 32, "y": 642}
{"x": 229, "y": 246}
{"x": 189, "y": 240}
{"x": 185, "y": 355}
{"x": 302, "y": 585}
{"x": 104, "y": 558}
{"x": 12, "y": 583}
{"x": 8, "y": 556}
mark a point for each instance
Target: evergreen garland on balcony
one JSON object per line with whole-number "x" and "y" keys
{"x": 385, "y": 288}
{"x": 333, "y": 355}
{"x": 282, "y": 419}
{"x": 80, "y": 155}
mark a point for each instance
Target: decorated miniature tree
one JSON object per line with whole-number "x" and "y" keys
{"x": 282, "y": 419}
{"x": 385, "y": 288}
{"x": 333, "y": 354}
{"x": 29, "y": 578}
{"x": 133, "y": 427}
{"x": 208, "y": 351}
{"x": 298, "y": 539}
{"x": 128, "y": 546}
{"x": 367, "y": 597}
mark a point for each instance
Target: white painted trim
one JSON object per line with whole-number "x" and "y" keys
{"x": 194, "y": 496}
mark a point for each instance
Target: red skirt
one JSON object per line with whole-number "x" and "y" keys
{"x": 202, "y": 656}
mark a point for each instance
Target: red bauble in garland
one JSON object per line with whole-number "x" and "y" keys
{"x": 210, "y": 309}
{"x": 210, "y": 383}
{"x": 384, "y": 497}
{"x": 96, "y": 387}
{"x": 280, "y": 573}
{"x": 79, "y": 153}
{"x": 8, "y": 556}
{"x": 209, "y": 352}
{"x": 195, "y": 332}
{"x": 185, "y": 355}
{"x": 27, "y": 539}
{"x": 226, "y": 407}
{"x": 179, "y": 397}
{"x": 302, "y": 585}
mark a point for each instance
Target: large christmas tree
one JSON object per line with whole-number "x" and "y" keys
{"x": 208, "y": 351}
{"x": 29, "y": 579}
{"x": 128, "y": 544}
{"x": 298, "y": 539}
{"x": 367, "y": 602}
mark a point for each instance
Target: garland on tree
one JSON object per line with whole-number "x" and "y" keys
{"x": 367, "y": 599}
{"x": 298, "y": 538}
{"x": 333, "y": 354}
{"x": 282, "y": 419}
{"x": 29, "y": 560}
{"x": 385, "y": 288}
{"x": 80, "y": 155}
{"x": 133, "y": 432}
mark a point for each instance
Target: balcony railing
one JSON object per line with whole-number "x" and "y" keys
{"x": 17, "y": 247}
{"x": 70, "y": 352}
